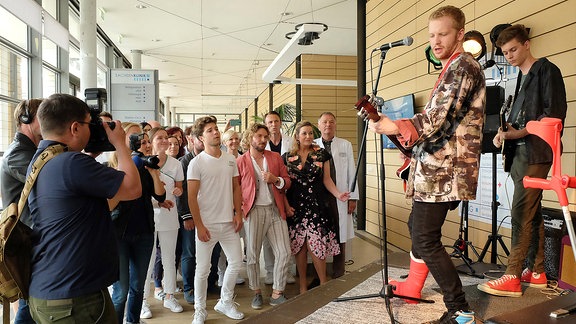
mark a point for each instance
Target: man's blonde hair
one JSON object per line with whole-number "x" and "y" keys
{"x": 458, "y": 18}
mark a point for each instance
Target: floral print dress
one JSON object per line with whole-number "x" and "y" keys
{"x": 310, "y": 222}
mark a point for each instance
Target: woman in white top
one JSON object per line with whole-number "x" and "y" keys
{"x": 166, "y": 219}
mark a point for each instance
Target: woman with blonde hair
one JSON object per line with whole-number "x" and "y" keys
{"x": 310, "y": 229}
{"x": 166, "y": 219}
{"x": 231, "y": 139}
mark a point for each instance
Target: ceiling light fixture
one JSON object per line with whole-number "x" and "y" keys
{"x": 141, "y": 6}
{"x": 309, "y": 36}
{"x": 303, "y": 36}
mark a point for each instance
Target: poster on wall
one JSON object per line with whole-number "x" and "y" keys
{"x": 401, "y": 107}
{"x": 133, "y": 94}
{"x": 481, "y": 208}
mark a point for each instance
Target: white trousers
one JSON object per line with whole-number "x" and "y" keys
{"x": 167, "y": 241}
{"x": 230, "y": 243}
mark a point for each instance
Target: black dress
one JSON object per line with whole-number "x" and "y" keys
{"x": 310, "y": 222}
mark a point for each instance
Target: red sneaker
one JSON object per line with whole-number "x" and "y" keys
{"x": 533, "y": 279}
{"x": 507, "y": 286}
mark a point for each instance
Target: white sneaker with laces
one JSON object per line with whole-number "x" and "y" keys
{"x": 159, "y": 294}
{"x": 145, "y": 312}
{"x": 229, "y": 309}
{"x": 173, "y": 305}
{"x": 199, "y": 316}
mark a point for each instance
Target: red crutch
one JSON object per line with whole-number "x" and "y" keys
{"x": 549, "y": 130}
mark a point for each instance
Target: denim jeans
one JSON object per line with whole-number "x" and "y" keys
{"x": 188, "y": 261}
{"x": 23, "y": 316}
{"x": 92, "y": 308}
{"x": 425, "y": 225}
{"x": 135, "y": 253}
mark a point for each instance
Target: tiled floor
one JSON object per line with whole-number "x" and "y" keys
{"x": 363, "y": 252}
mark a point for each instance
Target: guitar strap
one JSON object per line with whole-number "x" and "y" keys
{"x": 518, "y": 100}
{"x": 454, "y": 56}
{"x": 520, "y": 94}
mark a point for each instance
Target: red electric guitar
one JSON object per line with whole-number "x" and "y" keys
{"x": 366, "y": 110}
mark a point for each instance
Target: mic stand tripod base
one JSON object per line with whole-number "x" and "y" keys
{"x": 386, "y": 292}
{"x": 479, "y": 269}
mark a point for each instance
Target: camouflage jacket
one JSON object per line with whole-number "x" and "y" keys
{"x": 446, "y": 138}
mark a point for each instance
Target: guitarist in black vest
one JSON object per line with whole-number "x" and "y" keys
{"x": 540, "y": 93}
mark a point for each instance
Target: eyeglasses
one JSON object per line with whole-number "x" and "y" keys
{"x": 86, "y": 123}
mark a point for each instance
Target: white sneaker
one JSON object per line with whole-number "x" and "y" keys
{"x": 159, "y": 295}
{"x": 199, "y": 316}
{"x": 229, "y": 309}
{"x": 173, "y": 305}
{"x": 145, "y": 312}
{"x": 240, "y": 280}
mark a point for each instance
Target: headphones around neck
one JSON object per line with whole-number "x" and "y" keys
{"x": 25, "y": 117}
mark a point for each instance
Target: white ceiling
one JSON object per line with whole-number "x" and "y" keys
{"x": 211, "y": 54}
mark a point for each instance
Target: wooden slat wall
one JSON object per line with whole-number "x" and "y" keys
{"x": 286, "y": 93}
{"x": 338, "y": 100}
{"x": 553, "y": 33}
{"x": 317, "y": 99}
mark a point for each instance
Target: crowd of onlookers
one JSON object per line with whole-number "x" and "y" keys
{"x": 199, "y": 200}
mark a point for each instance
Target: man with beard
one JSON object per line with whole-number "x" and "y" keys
{"x": 264, "y": 181}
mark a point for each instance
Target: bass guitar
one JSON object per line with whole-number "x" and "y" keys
{"x": 366, "y": 110}
{"x": 508, "y": 147}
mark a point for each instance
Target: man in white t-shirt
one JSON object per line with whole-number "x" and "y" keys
{"x": 215, "y": 201}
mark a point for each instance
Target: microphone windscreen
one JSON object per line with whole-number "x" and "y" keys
{"x": 408, "y": 41}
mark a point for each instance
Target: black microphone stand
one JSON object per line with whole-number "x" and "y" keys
{"x": 387, "y": 291}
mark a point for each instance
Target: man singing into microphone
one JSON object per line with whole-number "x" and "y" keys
{"x": 445, "y": 140}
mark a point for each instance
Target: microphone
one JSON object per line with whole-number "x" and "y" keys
{"x": 488, "y": 64}
{"x": 406, "y": 41}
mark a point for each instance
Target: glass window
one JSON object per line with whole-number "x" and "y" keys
{"x": 74, "y": 65}
{"x": 49, "y": 52}
{"x": 13, "y": 74}
{"x": 101, "y": 77}
{"x": 74, "y": 23}
{"x": 101, "y": 51}
{"x": 7, "y": 124}
{"x": 13, "y": 29}
{"x": 50, "y": 7}
{"x": 49, "y": 82}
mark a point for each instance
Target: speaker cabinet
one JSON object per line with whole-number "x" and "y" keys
{"x": 567, "y": 278}
{"x": 494, "y": 102}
